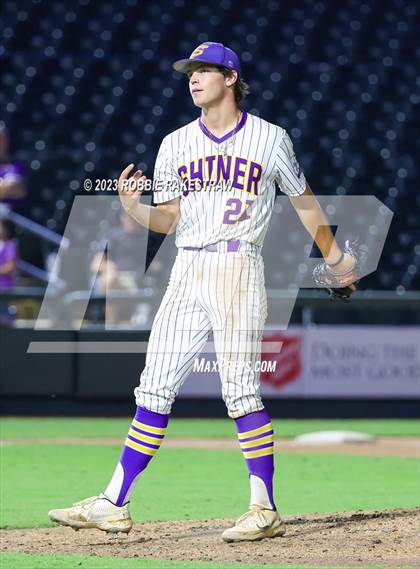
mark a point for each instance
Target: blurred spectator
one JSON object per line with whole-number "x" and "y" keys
{"x": 105, "y": 273}
{"x": 127, "y": 248}
{"x": 123, "y": 268}
{"x": 12, "y": 185}
{"x": 8, "y": 268}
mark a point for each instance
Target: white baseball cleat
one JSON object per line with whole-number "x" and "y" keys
{"x": 96, "y": 512}
{"x": 256, "y": 524}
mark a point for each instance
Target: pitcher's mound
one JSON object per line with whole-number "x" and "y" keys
{"x": 387, "y": 538}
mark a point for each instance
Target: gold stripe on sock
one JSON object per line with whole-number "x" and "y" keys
{"x": 259, "y": 431}
{"x": 257, "y": 453}
{"x": 145, "y": 438}
{"x": 148, "y": 428}
{"x": 140, "y": 448}
{"x": 257, "y": 442}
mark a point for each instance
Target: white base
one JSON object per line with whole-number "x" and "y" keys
{"x": 333, "y": 437}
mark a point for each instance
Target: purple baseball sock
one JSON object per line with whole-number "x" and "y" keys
{"x": 143, "y": 441}
{"x": 255, "y": 435}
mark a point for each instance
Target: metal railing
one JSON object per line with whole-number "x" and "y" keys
{"x": 43, "y": 233}
{"x": 310, "y": 306}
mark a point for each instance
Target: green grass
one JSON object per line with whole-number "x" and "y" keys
{"x": 199, "y": 428}
{"x": 199, "y": 484}
{"x": 190, "y": 483}
{"x": 25, "y": 561}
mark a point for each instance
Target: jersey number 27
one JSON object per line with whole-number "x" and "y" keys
{"x": 236, "y": 211}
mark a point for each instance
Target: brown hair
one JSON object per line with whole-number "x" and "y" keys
{"x": 240, "y": 88}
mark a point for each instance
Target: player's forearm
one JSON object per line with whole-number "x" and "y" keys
{"x": 324, "y": 238}
{"x": 153, "y": 218}
{"x": 314, "y": 220}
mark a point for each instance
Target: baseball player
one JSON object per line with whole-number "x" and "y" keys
{"x": 214, "y": 184}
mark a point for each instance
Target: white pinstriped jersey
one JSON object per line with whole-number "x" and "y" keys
{"x": 226, "y": 185}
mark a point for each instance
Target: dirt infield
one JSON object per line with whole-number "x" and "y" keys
{"x": 386, "y": 446}
{"x": 388, "y": 538}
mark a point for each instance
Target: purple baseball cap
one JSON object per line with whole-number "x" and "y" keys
{"x": 211, "y": 52}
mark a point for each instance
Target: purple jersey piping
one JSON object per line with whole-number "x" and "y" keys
{"x": 214, "y": 138}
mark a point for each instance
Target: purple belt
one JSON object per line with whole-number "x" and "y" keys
{"x": 232, "y": 247}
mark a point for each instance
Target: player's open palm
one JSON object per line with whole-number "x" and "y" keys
{"x": 130, "y": 189}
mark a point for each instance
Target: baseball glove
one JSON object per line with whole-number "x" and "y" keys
{"x": 337, "y": 285}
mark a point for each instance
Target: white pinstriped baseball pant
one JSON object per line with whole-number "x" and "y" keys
{"x": 219, "y": 291}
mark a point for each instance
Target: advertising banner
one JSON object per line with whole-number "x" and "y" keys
{"x": 327, "y": 361}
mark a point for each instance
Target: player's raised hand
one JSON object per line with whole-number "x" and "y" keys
{"x": 130, "y": 189}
